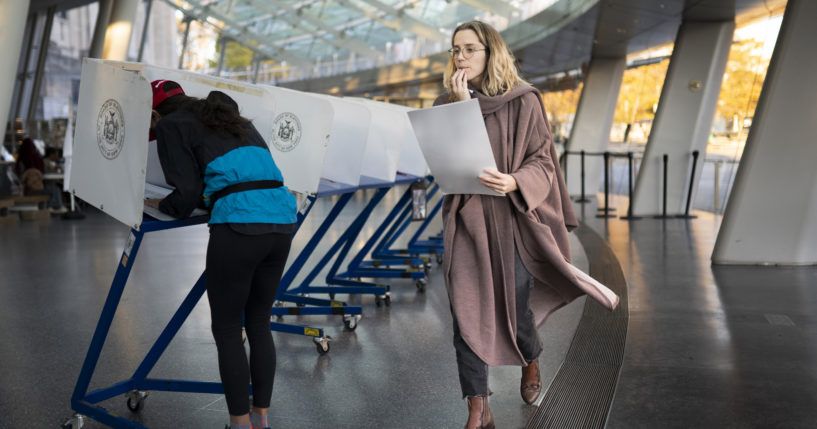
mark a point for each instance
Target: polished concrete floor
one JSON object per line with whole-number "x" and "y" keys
{"x": 396, "y": 370}
{"x": 707, "y": 347}
{"x": 710, "y": 346}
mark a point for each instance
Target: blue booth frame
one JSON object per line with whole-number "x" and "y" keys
{"x": 83, "y": 402}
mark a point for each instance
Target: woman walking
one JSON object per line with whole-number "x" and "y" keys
{"x": 507, "y": 259}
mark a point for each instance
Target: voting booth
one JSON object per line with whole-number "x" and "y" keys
{"x": 324, "y": 146}
{"x": 347, "y": 141}
{"x": 109, "y": 155}
{"x": 301, "y": 127}
{"x": 113, "y": 123}
{"x": 112, "y": 169}
{"x": 398, "y": 130}
{"x": 390, "y": 147}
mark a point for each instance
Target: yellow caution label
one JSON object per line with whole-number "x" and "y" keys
{"x": 336, "y": 304}
{"x": 312, "y": 332}
{"x": 124, "y": 260}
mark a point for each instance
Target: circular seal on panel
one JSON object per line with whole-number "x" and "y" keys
{"x": 110, "y": 129}
{"x": 286, "y": 132}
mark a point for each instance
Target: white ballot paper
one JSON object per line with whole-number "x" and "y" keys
{"x": 455, "y": 145}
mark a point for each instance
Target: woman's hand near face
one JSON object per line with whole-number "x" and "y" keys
{"x": 459, "y": 85}
{"x": 499, "y": 182}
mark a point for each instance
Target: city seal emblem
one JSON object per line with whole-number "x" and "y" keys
{"x": 286, "y": 132}
{"x": 110, "y": 129}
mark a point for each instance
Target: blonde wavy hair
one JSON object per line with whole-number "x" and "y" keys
{"x": 500, "y": 73}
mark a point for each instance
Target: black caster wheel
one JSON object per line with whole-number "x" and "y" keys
{"x": 322, "y": 345}
{"x": 135, "y": 407}
{"x": 136, "y": 400}
{"x": 350, "y": 322}
{"x": 74, "y": 422}
{"x": 421, "y": 285}
{"x": 383, "y": 299}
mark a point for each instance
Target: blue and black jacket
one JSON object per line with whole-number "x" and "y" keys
{"x": 199, "y": 162}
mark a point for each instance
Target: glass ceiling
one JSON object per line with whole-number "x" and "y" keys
{"x": 302, "y": 34}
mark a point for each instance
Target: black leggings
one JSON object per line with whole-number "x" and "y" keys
{"x": 243, "y": 273}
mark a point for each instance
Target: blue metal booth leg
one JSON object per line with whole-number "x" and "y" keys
{"x": 82, "y": 401}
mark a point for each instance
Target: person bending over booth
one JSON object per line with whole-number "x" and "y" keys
{"x": 216, "y": 158}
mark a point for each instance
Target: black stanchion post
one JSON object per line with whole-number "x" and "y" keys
{"x": 605, "y": 211}
{"x": 630, "y": 189}
{"x": 663, "y": 214}
{"x": 686, "y": 214}
{"x": 583, "y": 198}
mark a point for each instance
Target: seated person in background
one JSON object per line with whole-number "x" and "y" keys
{"x": 32, "y": 180}
{"x": 53, "y": 188}
{"x": 28, "y": 157}
{"x": 30, "y": 168}
{"x": 51, "y": 161}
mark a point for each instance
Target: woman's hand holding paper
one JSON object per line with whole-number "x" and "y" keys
{"x": 500, "y": 182}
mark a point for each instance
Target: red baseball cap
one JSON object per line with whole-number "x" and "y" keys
{"x": 164, "y": 89}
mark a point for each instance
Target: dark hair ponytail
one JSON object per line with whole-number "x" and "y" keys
{"x": 218, "y": 112}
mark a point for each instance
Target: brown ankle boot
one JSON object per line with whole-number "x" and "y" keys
{"x": 531, "y": 385}
{"x": 479, "y": 404}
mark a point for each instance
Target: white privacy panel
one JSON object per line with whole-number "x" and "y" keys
{"x": 347, "y": 141}
{"x": 110, "y": 144}
{"x": 383, "y": 143}
{"x": 411, "y": 156}
{"x": 253, "y": 102}
{"x": 301, "y": 125}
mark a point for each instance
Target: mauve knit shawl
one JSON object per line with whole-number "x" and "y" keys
{"x": 480, "y": 232}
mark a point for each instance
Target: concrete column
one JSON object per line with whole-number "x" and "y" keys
{"x": 594, "y": 118}
{"x": 12, "y": 31}
{"x": 771, "y": 216}
{"x": 103, "y": 17}
{"x": 256, "y": 67}
{"x": 684, "y": 117}
{"x": 31, "y": 30}
{"x": 119, "y": 29}
{"x": 45, "y": 42}
{"x": 187, "y": 21}
{"x": 223, "y": 51}
{"x": 145, "y": 27}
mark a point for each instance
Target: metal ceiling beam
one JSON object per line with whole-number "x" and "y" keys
{"x": 402, "y": 21}
{"x": 496, "y": 7}
{"x": 256, "y": 42}
{"x": 276, "y": 13}
{"x": 339, "y": 40}
{"x": 291, "y": 39}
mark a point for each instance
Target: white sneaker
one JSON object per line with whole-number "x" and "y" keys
{"x": 60, "y": 210}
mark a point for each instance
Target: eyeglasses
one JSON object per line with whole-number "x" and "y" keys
{"x": 466, "y": 52}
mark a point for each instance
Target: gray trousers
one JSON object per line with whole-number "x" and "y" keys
{"x": 473, "y": 371}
